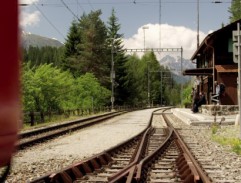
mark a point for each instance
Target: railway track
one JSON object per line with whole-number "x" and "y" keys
{"x": 209, "y": 166}
{"x": 171, "y": 162}
{"x": 107, "y": 165}
{"x": 157, "y": 154}
{"x": 100, "y": 167}
{"x": 30, "y": 138}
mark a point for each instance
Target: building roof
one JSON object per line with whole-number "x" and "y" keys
{"x": 198, "y": 72}
{"x": 203, "y": 45}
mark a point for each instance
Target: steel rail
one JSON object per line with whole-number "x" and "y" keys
{"x": 121, "y": 175}
{"x": 125, "y": 175}
{"x": 188, "y": 168}
{"x": 193, "y": 164}
{"x": 61, "y": 129}
{"x": 62, "y": 125}
{"x": 95, "y": 163}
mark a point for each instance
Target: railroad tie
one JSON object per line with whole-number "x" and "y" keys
{"x": 187, "y": 169}
{"x": 77, "y": 172}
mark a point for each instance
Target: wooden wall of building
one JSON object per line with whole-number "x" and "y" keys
{"x": 230, "y": 82}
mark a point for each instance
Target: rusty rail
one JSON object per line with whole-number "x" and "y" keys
{"x": 49, "y": 133}
{"x": 95, "y": 163}
{"x": 194, "y": 166}
{"x": 188, "y": 169}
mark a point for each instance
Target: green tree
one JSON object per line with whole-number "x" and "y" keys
{"x": 235, "y": 10}
{"x": 72, "y": 50}
{"x": 115, "y": 49}
{"x": 86, "y": 49}
{"x": 154, "y": 72}
{"x": 136, "y": 80}
{"x": 162, "y": 87}
{"x": 89, "y": 93}
{"x": 132, "y": 81}
{"x": 93, "y": 56}
{"x": 45, "y": 88}
{"x": 44, "y": 55}
{"x": 187, "y": 91}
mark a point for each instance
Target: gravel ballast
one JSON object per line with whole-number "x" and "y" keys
{"x": 65, "y": 150}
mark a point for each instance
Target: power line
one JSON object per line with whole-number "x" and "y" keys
{"x": 160, "y": 6}
{"x": 91, "y": 5}
{"x": 128, "y": 2}
{"x": 70, "y": 10}
{"x": 78, "y": 5}
{"x": 49, "y": 21}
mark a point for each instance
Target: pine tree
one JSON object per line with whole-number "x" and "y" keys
{"x": 115, "y": 45}
{"x": 93, "y": 50}
{"x": 85, "y": 47}
{"x": 235, "y": 11}
{"x": 70, "y": 60}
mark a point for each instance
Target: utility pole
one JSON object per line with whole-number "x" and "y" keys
{"x": 148, "y": 94}
{"x": 148, "y": 74}
{"x": 197, "y": 24}
{"x": 181, "y": 74}
{"x": 239, "y": 76}
{"x": 160, "y": 45}
{"x": 237, "y": 59}
{"x": 112, "y": 76}
{"x": 144, "y": 28}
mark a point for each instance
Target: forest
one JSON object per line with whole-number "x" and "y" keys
{"x": 79, "y": 75}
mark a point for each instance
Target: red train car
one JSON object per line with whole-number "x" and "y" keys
{"x": 9, "y": 80}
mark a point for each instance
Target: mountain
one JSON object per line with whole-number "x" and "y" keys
{"x": 175, "y": 64}
{"x": 29, "y": 39}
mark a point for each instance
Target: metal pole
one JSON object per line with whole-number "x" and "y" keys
{"x": 239, "y": 73}
{"x": 149, "y": 105}
{"x": 181, "y": 73}
{"x": 148, "y": 74}
{"x": 160, "y": 23}
{"x": 144, "y": 28}
{"x": 144, "y": 40}
{"x": 197, "y": 24}
{"x": 161, "y": 88}
{"x": 112, "y": 76}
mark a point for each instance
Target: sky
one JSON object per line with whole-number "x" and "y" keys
{"x": 169, "y": 23}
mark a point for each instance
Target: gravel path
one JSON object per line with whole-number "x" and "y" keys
{"x": 65, "y": 150}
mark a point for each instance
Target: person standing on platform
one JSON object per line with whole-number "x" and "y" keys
{"x": 192, "y": 97}
{"x": 217, "y": 90}
{"x": 195, "y": 102}
{"x": 202, "y": 100}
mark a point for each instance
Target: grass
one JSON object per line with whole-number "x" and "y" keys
{"x": 227, "y": 136}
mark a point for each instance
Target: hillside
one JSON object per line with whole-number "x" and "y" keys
{"x": 29, "y": 39}
{"x": 174, "y": 64}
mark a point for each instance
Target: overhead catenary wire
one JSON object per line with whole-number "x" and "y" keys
{"x": 160, "y": 6}
{"x": 91, "y": 5}
{"x": 48, "y": 20}
{"x": 134, "y": 2}
{"x": 78, "y": 6}
{"x": 70, "y": 10}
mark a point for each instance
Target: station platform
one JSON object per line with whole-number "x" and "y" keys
{"x": 187, "y": 116}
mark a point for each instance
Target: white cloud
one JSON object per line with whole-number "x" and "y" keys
{"x": 171, "y": 37}
{"x": 28, "y": 1}
{"x": 29, "y": 19}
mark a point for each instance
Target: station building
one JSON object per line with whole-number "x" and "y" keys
{"x": 215, "y": 61}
